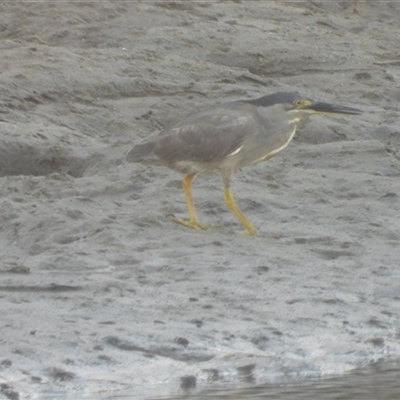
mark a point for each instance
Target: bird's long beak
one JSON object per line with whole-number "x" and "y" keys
{"x": 317, "y": 107}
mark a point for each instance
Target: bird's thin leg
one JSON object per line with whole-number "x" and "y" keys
{"x": 231, "y": 204}
{"x": 192, "y": 222}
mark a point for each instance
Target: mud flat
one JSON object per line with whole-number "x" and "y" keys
{"x": 101, "y": 294}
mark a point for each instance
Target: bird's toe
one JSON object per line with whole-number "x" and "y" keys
{"x": 189, "y": 224}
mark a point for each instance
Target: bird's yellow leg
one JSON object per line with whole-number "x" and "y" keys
{"x": 192, "y": 222}
{"x": 231, "y": 204}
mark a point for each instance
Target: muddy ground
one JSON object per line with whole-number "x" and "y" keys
{"x": 101, "y": 294}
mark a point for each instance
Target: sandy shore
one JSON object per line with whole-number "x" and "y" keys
{"x": 101, "y": 294}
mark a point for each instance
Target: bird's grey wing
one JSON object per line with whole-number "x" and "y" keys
{"x": 203, "y": 137}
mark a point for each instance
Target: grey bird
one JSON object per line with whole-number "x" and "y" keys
{"x": 226, "y": 137}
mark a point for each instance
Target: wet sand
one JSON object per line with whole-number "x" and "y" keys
{"x": 101, "y": 293}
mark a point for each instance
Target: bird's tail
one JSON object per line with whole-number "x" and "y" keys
{"x": 141, "y": 152}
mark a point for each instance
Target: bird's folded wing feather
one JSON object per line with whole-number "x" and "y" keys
{"x": 203, "y": 137}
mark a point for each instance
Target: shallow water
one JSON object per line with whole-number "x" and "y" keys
{"x": 378, "y": 381}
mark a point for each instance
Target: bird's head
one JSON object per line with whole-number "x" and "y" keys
{"x": 300, "y": 106}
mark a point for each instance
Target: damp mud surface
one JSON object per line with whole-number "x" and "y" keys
{"x": 101, "y": 294}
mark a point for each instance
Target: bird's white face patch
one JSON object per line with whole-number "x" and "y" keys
{"x": 297, "y": 116}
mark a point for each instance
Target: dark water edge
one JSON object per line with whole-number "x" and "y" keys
{"x": 377, "y": 381}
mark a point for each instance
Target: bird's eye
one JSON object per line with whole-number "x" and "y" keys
{"x": 298, "y": 103}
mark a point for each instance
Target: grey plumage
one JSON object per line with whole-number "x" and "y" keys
{"x": 227, "y": 137}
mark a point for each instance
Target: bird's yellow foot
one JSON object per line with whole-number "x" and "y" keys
{"x": 250, "y": 232}
{"x": 189, "y": 224}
